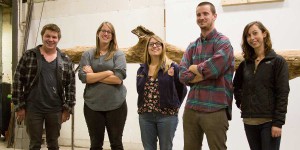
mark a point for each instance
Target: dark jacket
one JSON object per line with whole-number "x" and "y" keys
{"x": 171, "y": 91}
{"x": 26, "y": 75}
{"x": 263, "y": 94}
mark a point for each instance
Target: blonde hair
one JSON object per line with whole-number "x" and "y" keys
{"x": 113, "y": 45}
{"x": 164, "y": 61}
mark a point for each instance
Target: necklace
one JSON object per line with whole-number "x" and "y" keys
{"x": 259, "y": 59}
{"x": 102, "y": 53}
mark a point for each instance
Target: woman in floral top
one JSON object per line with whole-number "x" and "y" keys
{"x": 160, "y": 95}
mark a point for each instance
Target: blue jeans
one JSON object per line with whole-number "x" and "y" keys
{"x": 34, "y": 124}
{"x": 259, "y": 137}
{"x": 153, "y": 125}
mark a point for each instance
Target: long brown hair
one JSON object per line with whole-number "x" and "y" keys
{"x": 164, "y": 61}
{"x": 113, "y": 45}
{"x": 248, "y": 51}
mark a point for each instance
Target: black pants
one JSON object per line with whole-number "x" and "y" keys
{"x": 113, "y": 120}
{"x": 259, "y": 137}
{"x": 34, "y": 124}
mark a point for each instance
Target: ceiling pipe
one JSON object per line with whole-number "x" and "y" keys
{"x": 21, "y": 22}
{"x": 15, "y": 40}
{"x": 28, "y": 23}
{"x": 1, "y": 47}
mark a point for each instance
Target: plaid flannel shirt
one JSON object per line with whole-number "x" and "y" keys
{"x": 215, "y": 61}
{"x": 26, "y": 75}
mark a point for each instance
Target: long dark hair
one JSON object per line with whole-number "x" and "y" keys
{"x": 248, "y": 51}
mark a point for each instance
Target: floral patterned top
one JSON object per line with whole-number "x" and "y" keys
{"x": 151, "y": 98}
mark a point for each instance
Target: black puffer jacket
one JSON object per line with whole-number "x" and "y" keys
{"x": 263, "y": 94}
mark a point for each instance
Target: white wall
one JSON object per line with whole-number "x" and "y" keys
{"x": 79, "y": 20}
{"x": 6, "y": 52}
{"x": 278, "y": 17}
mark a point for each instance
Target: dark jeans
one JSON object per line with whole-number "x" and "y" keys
{"x": 259, "y": 137}
{"x": 34, "y": 125}
{"x": 113, "y": 120}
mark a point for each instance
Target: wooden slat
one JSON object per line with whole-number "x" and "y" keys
{"x": 233, "y": 2}
{"x": 245, "y": 2}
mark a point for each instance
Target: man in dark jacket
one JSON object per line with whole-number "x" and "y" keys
{"x": 44, "y": 89}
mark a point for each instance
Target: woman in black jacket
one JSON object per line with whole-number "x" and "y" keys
{"x": 261, "y": 88}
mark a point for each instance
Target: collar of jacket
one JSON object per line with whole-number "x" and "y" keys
{"x": 146, "y": 68}
{"x": 270, "y": 55}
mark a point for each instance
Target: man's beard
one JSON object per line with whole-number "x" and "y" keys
{"x": 206, "y": 28}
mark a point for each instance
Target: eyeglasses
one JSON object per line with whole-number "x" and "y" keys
{"x": 157, "y": 44}
{"x": 106, "y": 31}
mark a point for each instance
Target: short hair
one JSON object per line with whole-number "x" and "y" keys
{"x": 212, "y": 6}
{"x": 52, "y": 27}
{"x": 248, "y": 51}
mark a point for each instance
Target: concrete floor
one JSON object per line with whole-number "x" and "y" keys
{"x": 3, "y": 146}
{"x": 131, "y": 146}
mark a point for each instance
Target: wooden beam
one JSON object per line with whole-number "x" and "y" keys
{"x": 135, "y": 53}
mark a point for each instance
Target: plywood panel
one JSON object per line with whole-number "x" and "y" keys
{"x": 242, "y": 2}
{"x": 259, "y": 1}
{"x": 233, "y": 2}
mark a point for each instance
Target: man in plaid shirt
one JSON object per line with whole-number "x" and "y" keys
{"x": 207, "y": 67}
{"x": 44, "y": 89}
